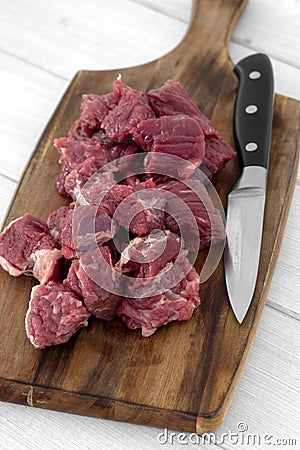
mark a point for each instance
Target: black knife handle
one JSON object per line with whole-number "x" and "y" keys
{"x": 253, "y": 113}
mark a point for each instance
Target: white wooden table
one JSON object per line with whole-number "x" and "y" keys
{"x": 42, "y": 45}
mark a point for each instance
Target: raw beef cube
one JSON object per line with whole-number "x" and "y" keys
{"x": 74, "y": 153}
{"x": 76, "y": 179}
{"x": 80, "y": 228}
{"x": 172, "y": 99}
{"x": 176, "y": 303}
{"x": 217, "y": 153}
{"x": 89, "y": 185}
{"x": 60, "y": 225}
{"x": 71, "y": 282}
{"x": 110, "y": 100}
{"x": 139, "y": 209}
{"x": 94, "y": 190}
{"x": 160, "y": 164}
{"x": 208, "y": 226}
{"x": 145, "y": 256}
{"x": 178, "y": 135}
{"x": 90, "y": 156}
{"x": 54, "y": 315}
{"x": 26, "y": 247}
{"x": 61, "y": 178}
{"x": 112, "y": 198}
{"x": 92, "y": 226}
{"x": 143, "y": 210}
{"x": 132, "y": 107}
{"x": 88, "y": 276}
{"x": 93, "y": 110}
{"x": 56, "y": 219}
{"x": 47, "y": 265}
{"x": 127, "y": 154}
{"x": 145, "y": 132}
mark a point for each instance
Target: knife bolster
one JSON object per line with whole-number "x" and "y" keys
{"x": 252, "y": 177}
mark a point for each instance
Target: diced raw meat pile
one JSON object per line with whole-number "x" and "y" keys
{"x": 122, "y": 245}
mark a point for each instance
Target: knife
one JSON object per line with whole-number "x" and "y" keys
{"x": 246, "y": 201}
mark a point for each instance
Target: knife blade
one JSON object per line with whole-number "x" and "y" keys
{"x": 252, "y": 126}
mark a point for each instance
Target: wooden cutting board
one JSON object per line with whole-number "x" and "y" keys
{"x": 184, "y": 376}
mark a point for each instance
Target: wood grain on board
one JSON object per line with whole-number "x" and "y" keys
{"x": 185, "y": 375}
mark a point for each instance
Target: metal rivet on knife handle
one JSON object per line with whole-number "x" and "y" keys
{"x": 254, "y": 75}
{"x": 251, "y": 146}
{"x": 251, "y": 109}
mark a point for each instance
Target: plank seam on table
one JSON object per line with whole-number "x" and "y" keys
{"x": 283, "y": 310}
{"x": 7, "y": 177}
{"x": 33, "y": 64}
{"x": 278, "y": 379}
